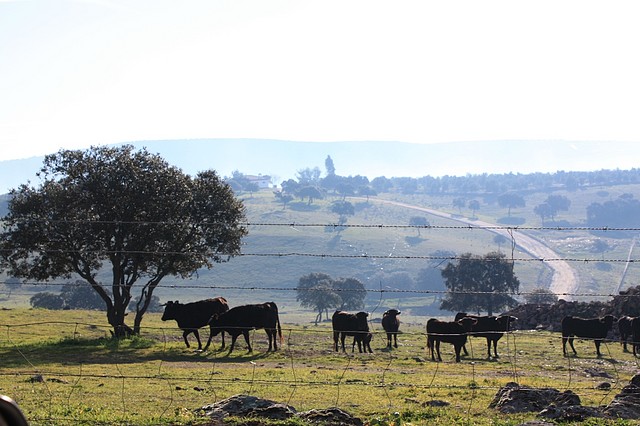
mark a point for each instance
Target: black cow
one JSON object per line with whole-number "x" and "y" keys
{"x": 345, "y": 324}
{"x": 391, "y": 324}
{"x": 192, "y": 316}
{"x": 242, "y": 319}
{"x": 454, "y": 332}
{"x": 626, "y": 331}
{"x": 490, "y": 327}
{"x": 593, "y": 328}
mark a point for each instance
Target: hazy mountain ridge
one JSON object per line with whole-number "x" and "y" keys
{"x": 282, "y": 159}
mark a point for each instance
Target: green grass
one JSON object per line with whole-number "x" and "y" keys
{"x": 155, "y": 379}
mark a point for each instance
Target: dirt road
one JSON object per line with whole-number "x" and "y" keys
{"x": 564, "y": 282}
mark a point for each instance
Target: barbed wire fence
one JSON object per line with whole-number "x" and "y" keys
{"x": 51, "y": 387}
{"x": 26, "y": 359}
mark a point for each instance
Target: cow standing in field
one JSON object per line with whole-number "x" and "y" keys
{"x": 490, "y": 327}
{"x": 625, "y": 329}
{"x": 591, "y": 328}
{"x": 454, "y": 332}
{"x": 345, "y": 324}
{"x": 242, "y": 319}
{"x": 391, "y": 324}
{"x": 192, "y": 316}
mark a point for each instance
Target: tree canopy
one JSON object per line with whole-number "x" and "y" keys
{"x": 479, "y": 283}
{"x": 321, "y": 292}
{"x": 123, "y": 211}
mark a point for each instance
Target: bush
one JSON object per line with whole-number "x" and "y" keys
{"x": 47, "y": 300}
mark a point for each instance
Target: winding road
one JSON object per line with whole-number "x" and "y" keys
{"x": 564, "y": 282}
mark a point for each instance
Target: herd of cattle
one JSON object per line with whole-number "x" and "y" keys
{"x": 240, "y": 320}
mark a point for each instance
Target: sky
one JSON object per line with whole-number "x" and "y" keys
{"x": 75, "y": 73}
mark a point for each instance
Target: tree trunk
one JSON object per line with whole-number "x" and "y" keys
{"x": 116, "y": 320}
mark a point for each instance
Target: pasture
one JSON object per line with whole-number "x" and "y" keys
{"x": 63, "y": 368}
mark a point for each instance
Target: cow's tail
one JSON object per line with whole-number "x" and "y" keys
{"x": 278, "y": 324}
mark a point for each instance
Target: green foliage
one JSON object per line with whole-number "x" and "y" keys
{"x": 511, "y": 200}
{"x": 47, "y": 300}
{"x": 322, "y": 293}
{"x": 479, "y": 283}
{"x": 540, "y": 296}
{"x": 126, "y": 208}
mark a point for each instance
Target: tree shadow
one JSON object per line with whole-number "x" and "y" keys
{"x": 112, "y": 351}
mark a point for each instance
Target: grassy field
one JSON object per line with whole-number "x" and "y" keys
{"x": 63, "y": 368}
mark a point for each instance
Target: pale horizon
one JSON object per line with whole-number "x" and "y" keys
{"x": 81, "y": 73}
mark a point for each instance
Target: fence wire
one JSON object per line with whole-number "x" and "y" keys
{"x": 54, "y": 377}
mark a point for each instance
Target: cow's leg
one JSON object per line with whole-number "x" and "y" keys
{"x": 597, "y": 342}
{"x": 395, "y": 340}
{"x": 274, "y": 334}
{"x": 564, "y": 345}
{"x": 209, "y": 340}
{"x": 342, "y": 337}
{"x": 572, "y": 347}
{"x": 495, "y": 348}
{"x": 184, "y": 336}
{"x": 271, "y": 339}
{"x": 245, "y": 333}
{"x": 234, "y": 337}
{"x": 388, "y": 340}
{"x": 457, "y": 348}
{"x": 438, "y": 349}
{"x": 464, "y": 349}
{"x": 222, "y": 339}
{"x": 336, "y": 337}
{"x": 430, "y": 345}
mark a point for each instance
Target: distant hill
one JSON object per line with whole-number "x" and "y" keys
{"x": 282, "y": 159}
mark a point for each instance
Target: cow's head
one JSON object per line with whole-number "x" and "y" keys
{"x": 467, "y": 322}
{"x": 504, "y": 321}
{"x": 392, "y": 312}
{"x": 169, "y": 310}
{"x": 608, "y": 320}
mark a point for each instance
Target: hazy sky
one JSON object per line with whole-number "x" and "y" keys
{"x": 76, "y": 73}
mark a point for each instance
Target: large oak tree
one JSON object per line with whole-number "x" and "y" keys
{"x": 125, "y": 212}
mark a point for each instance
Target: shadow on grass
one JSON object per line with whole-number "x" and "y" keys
{"x": 114, "y": 351}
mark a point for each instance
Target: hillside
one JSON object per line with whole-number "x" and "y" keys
{"x": 400, "y": 265}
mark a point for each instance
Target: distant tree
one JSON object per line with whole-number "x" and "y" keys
{"x": 543, "y": 210}
{"x": 123, "y": 211}
{"x": 310, "y": 192}
{"x": 251, "y": 187}
{"x": 499, "y": 239}
{"x": 309, "y": 177}
{"x": 381, "y": 184}
{"x": 290, "y": 186}
{"x": 316, "y": 291}
{"x": 622, "y": 212}
{"x": 419, "y": 222}
{"x": 478, "y": 284}
{"x": 400, "y": 281}
{"x": 283, "y": 197}
{"x": 345, "y": 189}
{"x": 541, "y": 296}
{"x": 78, "y": 295}
{"x": 558, "y": 203}
{"x": 367, "y": 191}
{"x": 351, "y": 291}
{"x": 154, "y": 305}
{"x": 474, "y": 206}
{"x": 342, "y": 209}
{"x": 511, "y": 200}
{"x": 459, "y": 203}
{"x": 47, "y": 300}
{"x": 329, "y": 166}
